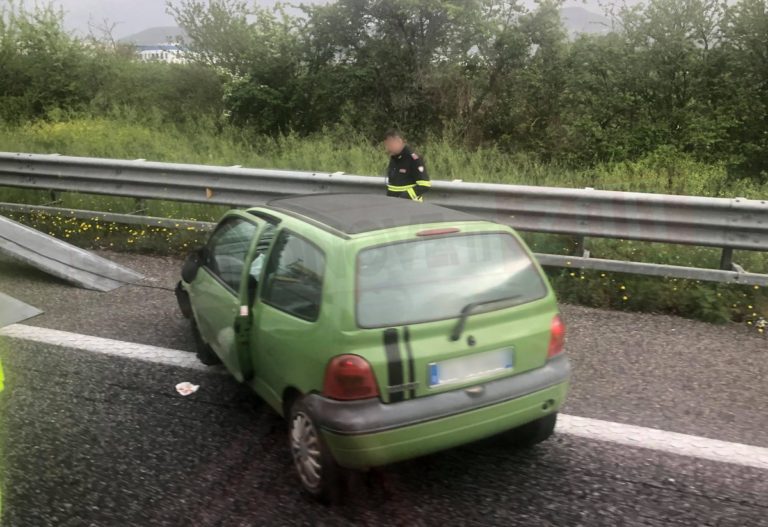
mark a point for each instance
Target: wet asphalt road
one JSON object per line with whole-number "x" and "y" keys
{"x": 649, "y": 370}
{"x": 94, "y": 440}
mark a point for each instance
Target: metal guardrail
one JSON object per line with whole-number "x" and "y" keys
{"x": 62, "y": 259}
{"x": 576, "y": 262}
{"x": 728, "y": 224}
{"x": 106, "y": 217}
{"x": 13, "y": 310}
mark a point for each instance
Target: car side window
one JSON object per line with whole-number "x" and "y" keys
{"x": 227, "y": 250}
{"x": 294, "y": 276}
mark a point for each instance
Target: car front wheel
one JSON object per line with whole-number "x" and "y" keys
{"x": 320, "y": 475}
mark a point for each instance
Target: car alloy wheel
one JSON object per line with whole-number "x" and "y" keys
{"x": 321, "y": 477}
{"x": 305, "y": 447}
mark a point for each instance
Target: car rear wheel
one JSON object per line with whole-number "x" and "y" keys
{"x": 203, "y": 351}
{"x": 535, "y": 432}
{"x": 320, "y": 475}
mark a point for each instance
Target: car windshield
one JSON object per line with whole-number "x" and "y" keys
{"x": 434, "y": 278}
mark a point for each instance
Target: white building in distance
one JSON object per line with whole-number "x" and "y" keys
{"x": 168, "y": 53}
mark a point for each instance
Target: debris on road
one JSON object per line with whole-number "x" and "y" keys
{"x": 761, "y": 324}
{"x": 13, "y": 310}
{"x": 187, "y": 388}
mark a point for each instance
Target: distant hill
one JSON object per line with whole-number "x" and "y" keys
{"x": 579, "y": 20}
{"x": 575, "y": 19}
{"x": 155, "y": 35}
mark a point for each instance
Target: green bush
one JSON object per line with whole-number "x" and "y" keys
{"x": 488, "y": 91}
{"x": 49, "y": 73}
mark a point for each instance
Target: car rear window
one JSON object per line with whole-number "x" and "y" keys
{"x": 434, "y": 278}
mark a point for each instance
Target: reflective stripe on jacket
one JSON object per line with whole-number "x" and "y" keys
{"x": 407, "y": 176}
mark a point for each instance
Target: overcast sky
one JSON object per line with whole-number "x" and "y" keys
{"x": 132, "y": 16}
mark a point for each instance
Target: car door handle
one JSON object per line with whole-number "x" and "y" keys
{"x": 475, "y": 390}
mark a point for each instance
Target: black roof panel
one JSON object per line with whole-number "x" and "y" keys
{"x": 359, "y": 213}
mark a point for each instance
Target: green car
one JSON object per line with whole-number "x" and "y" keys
{"x": 382, "y": 329}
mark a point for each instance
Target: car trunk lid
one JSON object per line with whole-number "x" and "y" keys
{"x": 452, "y": 311}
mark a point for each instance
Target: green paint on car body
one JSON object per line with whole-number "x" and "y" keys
{"x": 319, "y": 295}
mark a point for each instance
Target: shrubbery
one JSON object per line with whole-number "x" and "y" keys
{"x": 47, "y": 73}
{"x": 673, "y": 100}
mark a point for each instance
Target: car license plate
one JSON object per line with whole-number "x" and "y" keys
{"x": 469, "y": 367}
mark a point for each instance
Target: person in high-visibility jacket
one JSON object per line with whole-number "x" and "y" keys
{"x": 406, "y": 175}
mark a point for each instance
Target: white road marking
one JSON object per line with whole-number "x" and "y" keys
{"x": 663, "y": 441}
{"x": 595, "y": 429}
{"x": 118, "y": 348}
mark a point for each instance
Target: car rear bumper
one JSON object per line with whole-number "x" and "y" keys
{"x": 370, "y": 433}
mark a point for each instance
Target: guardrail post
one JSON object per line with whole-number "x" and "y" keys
{"x": 141, "y": 205}
{"x": 726, "y": 259}
{"x": 580, "y": 246}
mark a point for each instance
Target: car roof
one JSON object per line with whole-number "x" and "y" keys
{"x": 359, "y": 213}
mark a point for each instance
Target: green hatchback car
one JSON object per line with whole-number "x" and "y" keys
{"x": 382, "y": 329}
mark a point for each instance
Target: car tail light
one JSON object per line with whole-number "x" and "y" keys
{"x": 349, "y": 377}
{"x": 557, "y": 337}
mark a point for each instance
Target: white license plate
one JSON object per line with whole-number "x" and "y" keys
{"x": 469, "y": 367}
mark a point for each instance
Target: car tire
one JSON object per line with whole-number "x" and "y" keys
{"x": 535, "y": 432}
{"x": 182, "y": 298}
{"x": 320, "y": 476}
{"x": 203, "y": 351}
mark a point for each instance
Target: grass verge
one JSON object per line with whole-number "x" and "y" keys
{"x": 338, "y": 151}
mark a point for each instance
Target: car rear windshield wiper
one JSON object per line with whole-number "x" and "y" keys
{"x": 467, "y": 310}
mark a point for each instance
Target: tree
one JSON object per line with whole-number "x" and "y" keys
{"x": 42, "y": 66}
{"x": 655, "y": 81}
{"x": 256, "y": 50}
{"x": 401, "y": 60}
{"x": 527, "y": 83}
{"x": 745, "y": 51}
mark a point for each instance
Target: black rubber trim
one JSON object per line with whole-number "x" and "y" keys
{"x": 409, "y": 352}
{"x": 394, "y": 363}
{"x": 371, "y": 415}
{"x": 269, "y": 218}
